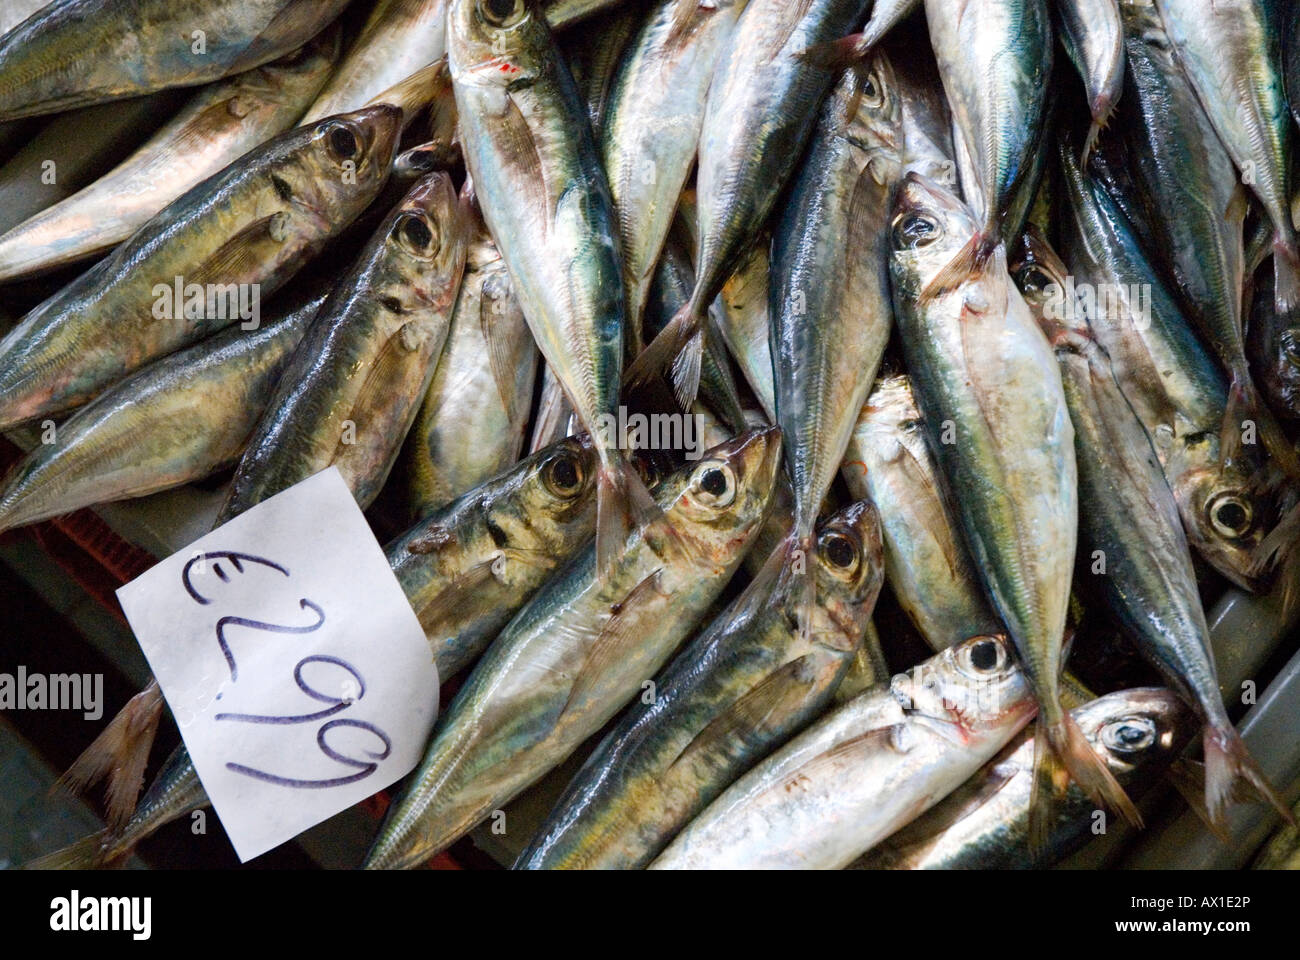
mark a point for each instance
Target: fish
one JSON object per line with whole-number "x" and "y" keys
{"x": 397, "y": 39}
{"x": 995, "y": 411}
{"x": 885, "y": 15}
{"x": 354, "y": 386}
{"x": 995, "y": 58}
{"x": 74, "y": 53}
{"x": 648, "y": 143}
{"x": 761, "y": 110}
{"x": 465, "y": 569}
{"x": 565, "y": 13}
{"x": 595, "y": 52}
{"x": 217, "y": 126}
{"x": 670, "y": 289}
{"x": 1094, "y": 41}
{"x": 1273, "y": 347}
{"x": 739, "y": 690}
{"x": 1231, "y": 52}
{"x": 529, "y": 148}
{"x": 865, "y": 769}
{"x": 927, "y": 564}
{"x": 829, "y": 302}
{"x": 554, "y": 419}
{"x": 179, "y": 419}
{"x": 469, "y": 565}
{"x": 255, "y": 223}
{"x": 1179, "y": 163}
{"x": 1131, "y": 537}
{"x": 471, "y": 422}
{"x": 581, "y": 649}
{"x": 71, "y": 150}
{"x": 1169, "y": 378}
{"x": 740, "y": 317}
{"x": 984, "y": 823}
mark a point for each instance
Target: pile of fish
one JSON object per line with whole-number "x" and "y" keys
{"x": 726, "y": 357}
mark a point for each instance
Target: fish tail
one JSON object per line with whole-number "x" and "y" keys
{"x": 95, "y": 852}
{"x": 119, "y": 754}
{"x": 1286, "y": 271}
{"x": 680, "y": 347}
{"x": 1277, "y": 546}
{"x": 1048, "y": 784}
{"x": 1226, "y": 761}
{"x": 623, "y": 504}
{"x": 1244, "y": 403}
{"x": 1101, "y": 109}
{"x": 970, "y": 261}
{"x": 1088, "y": 770}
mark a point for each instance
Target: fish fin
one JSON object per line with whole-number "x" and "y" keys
{"x": 1244, "y": 402}
{"x": 520, "y": 153}
{"x": 419, "y": 90}
{"x": 685, "y": 16}
{"x": 1277, "y": 546}
{"x": 1226, "y": 760}
{"x": 460, "y": 597}
{"x": 1048, "y": 784}
{"x": 396, "y": 359}
{"x": 94, "y": 852}
{"x": 1286, "y": 272}
{"x": 120, "y": 754}
{"x": 686, "y": 371}
{"x": 793, "y": 13}
{"x": 881, "y": 738}
{"x": 242, "y": 255}
{"x": 1087, "y": 769}
{"x": 616, "y": 637}
{"x": 500, "y": 357}
{"x": 552, "y": 411}
{"x": 661, "y": 354}
{"x": 623, "y": 504}
{"x": 1101, "y": 110}
{"x": 968, "y": 262}
{"x": 1187, "y": 777}
{"x": 835, "y": 55}
{"x": 749, "y": 716}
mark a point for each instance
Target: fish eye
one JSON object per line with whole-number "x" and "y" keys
{"x": 1230, "y": 515}
{"x": 563, "y": 475}
{"x": 1129, "y": 735}
{"x": 1033, "y": 280}
{"x": 417, "y": 233}
{"x": 872, "y": 89}
{"x": 981, "y": 657}
{"x": 714, "y": 485}
{"x": 500, "y": 13}
{"x": 912, "y": 231}
{"x": 343, "y": 142}
{"x": 840, "y": 551}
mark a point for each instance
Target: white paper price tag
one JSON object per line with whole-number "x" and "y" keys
{"x": 295, "y": 667}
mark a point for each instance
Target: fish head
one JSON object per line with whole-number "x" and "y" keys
{"x": 1146, "y": 729}
{"x": 497, "y": 42}
{"x": 556, "y": 489}
{"x": 346, "y": 161}
{"x": 929, "y": 228}
{"x": 425, "y": 244}
{"x": 724, "y": 496}
{"x": 1225, "y": 512}
{"x": 971, "y": 688}
{"x": 874, "y": 115}
{"x": 1042, "y": 278}
{"x": 851, "y": 554}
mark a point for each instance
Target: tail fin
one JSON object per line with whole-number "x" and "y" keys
{"x": 120, "y": 753}
{"x": 679, "y": 345}
{"x": 1277, "y": 546}
{"x": 1286, "y": 271}
{"x": 1188, "y": 778}
{"x": 1101, "y": 109}
{"x": 1244, "y": 400}
{"x": 89, "y": 853}
{"x": 1227, "y": 759}
{"x": 1087, "y": 769}
{"x": 969, "y": 261}
{"x": 1049, "y": 783}
{"x": 623, "y": 504}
